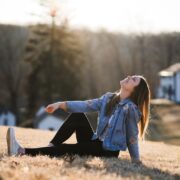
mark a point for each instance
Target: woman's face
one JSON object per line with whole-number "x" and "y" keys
{"x": 130, "y": 82}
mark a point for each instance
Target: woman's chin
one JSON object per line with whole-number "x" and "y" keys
{"x": 122, "y": 83}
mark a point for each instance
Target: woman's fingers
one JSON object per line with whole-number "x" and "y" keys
{"x": 50, "y": 109}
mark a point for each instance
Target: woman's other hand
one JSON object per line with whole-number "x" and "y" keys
{"x": 136, "y": 161}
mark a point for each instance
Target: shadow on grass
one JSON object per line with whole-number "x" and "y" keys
{"x": 120, "y": 167}
{"x": 117, "y": 166}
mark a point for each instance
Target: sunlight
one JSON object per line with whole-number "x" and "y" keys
{"x": 115, "y": 15}
{"x": 19, "y": 11}
{"x": 129, "y": 15}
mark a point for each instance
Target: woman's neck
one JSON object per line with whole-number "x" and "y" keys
{"x": 123, "y": 94}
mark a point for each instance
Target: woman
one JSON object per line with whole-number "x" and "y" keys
{"x": 122, "y": 120}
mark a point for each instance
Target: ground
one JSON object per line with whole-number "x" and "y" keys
{"x": 160, "y": 161}
{"x": 165, "y": 121}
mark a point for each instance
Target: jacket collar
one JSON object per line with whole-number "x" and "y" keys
{"x": 124, "y": 101}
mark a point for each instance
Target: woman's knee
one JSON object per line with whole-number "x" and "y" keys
{"x": 77, "y": 116}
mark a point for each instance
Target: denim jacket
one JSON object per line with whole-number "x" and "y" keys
{"x": 122, "y": 131}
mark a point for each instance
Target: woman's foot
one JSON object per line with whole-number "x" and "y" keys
{"x": 14, "y": 148}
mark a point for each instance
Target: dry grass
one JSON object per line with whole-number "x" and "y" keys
{"x": 166, "y": 120}
{"x": 160, "y": 161}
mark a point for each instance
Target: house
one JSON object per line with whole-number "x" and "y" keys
{"x": 169, "y": 84}
{"x": 7, "y": 118}
{"x": 43, "y": 120}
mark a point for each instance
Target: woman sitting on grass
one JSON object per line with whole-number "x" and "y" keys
{"x": 122, "y": 120}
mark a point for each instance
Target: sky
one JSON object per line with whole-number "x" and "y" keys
{"x": 114, "y": 15}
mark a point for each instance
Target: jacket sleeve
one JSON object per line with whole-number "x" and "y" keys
{"x": 133, "y": 116}
{"x": 89, "y": 105}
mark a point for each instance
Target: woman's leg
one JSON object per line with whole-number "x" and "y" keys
{"x": 85, "y": 146}
{"x": 84, "y": 131}
{"x": 75, "y": 122}
{"x": 93, "y": 148}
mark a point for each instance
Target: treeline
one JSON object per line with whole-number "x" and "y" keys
{"x": 41, "y": 64}
{"x": 111, "y": 57}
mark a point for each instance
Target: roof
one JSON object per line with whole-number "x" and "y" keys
{"x": 60, "y": 114}
{"x": 171, "y": 70}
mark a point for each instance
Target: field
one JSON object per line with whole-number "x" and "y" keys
{"x": 165, "y": 122}
{"x": 160, "y": 161}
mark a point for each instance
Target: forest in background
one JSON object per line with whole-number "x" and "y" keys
{"x": 40, "y": 64}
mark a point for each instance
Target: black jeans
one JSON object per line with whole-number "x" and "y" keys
{"x": 75, "y": 122}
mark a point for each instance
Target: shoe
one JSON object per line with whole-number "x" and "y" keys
{"x": 50, "y": 145}
{"x": 14, "y": 147}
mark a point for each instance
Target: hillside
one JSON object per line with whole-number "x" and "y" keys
{"x": 160, "y": 161}
{"x": 165, "y": 121}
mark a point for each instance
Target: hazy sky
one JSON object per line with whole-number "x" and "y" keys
{"x": 114, "y": 15}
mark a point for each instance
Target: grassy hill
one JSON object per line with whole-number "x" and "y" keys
{"x": 160, "y": 161}
{"x": 165, "y": 122}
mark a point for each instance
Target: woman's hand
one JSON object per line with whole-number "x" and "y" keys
{"x": 136, "y": 161}
{"x": 52, "y": 107}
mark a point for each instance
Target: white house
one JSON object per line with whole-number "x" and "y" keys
{"x": 47, "y": 121}
{"x": 7, "y": 118}
{"x": 169, "y": 85}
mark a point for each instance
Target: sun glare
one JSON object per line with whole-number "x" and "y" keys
{"x": 123, "y": 15}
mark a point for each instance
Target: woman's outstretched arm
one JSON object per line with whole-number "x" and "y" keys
{"x": 77, "y": 106}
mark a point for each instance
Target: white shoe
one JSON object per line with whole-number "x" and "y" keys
{"x": 14, "y": 147}
{"x": 50, "y": 145}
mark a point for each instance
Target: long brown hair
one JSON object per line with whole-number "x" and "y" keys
{"x": 141, "y": 97}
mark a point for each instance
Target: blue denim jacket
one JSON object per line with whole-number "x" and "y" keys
{"x": 122, "y": 131}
